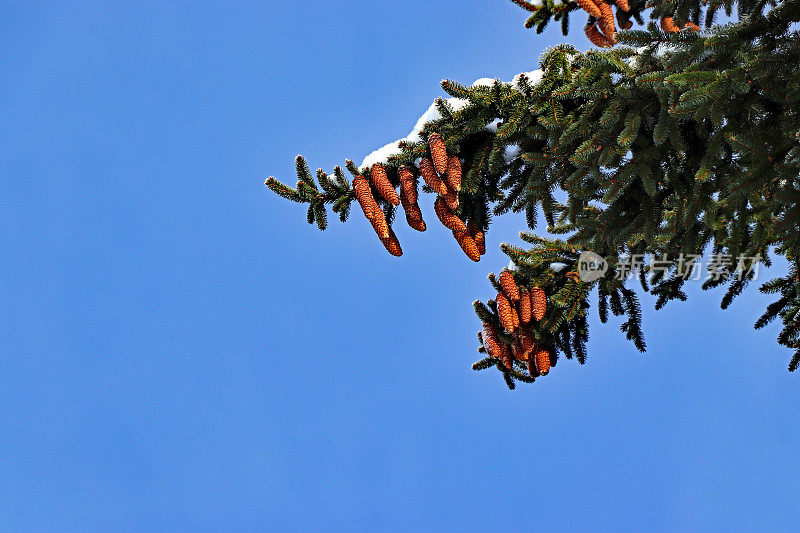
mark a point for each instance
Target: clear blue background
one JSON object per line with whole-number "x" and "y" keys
{"x": 179, "y": 350}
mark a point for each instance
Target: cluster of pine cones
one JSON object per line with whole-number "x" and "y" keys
{"x": 442, "y": 173}
{"x": 602, "y": 33}
{"x": 517, "y": 306}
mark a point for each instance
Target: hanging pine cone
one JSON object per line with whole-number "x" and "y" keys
{"x": 467, "y": 244}
{"x": 451, "y": 199}
{"x": 538, "y": 303}
{"x": 477, "y": 234}
{"x": 447, "y": 217}
{"x": 454, "y": 173}
{"x": 515, "y": 316}
{"x": 490, "y": 340}
{"x": 692, "y": 26}
{"x": 505, "y": 356}
{"x": 408, "y": 198}
{"x": 527, "y": 342}
{"x": 606, "y": 22}
{"x": 430, "y": 177}
{"x": 590, "y": 7}
{"x": 516, "y": 350}
{"x": 370, "y": 207}
{"x": 668, "y": 25}
{"x": 596, "y": 38}
{"x": 623, "y": 5}
{"x": 542, "y": 357}
{"x": 532, "y": 367}
{"x": 392, "y": 245}
{"x": 524, "y": 305}
{"x": 505, "y": 311}
{"x": 408, "y": 186}
{"x": 381, "y": 183}
{"x": 438, "y": 153}
{"x": 509, "y": 285}
{"x": 623, "y": 20}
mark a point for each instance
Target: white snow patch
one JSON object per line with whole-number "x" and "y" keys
{"x": 381, "y": 155}
{"x": 492, "y": 126}
{"x": 511, "y": 152}
{"x": 512, "y": 265}
{"x": 484, "y": 82}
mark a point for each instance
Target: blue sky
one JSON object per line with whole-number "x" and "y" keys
{"x": 179, "y": 350}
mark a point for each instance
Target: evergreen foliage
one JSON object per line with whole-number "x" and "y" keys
{"x": 669, "y": 143}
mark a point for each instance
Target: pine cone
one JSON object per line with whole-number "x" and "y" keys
{"x": 454, "y": 173}
{"x": 477, "y": 233}
{"x": 517, "y": 351}
{"x": 527, "y": 341}
{"x": 381, "y": 183}
{"x": 505, "y": 311}
{"x": 509, "y": 285}
{"x": 414, "y": 218}
{"x": 532, "y": 367}
{"x": 408, "y": 198}
{"x": 538, "y": 303}
{"x": 515, "y": 315}
{"x": 524, "y": 305}
{"x": 668, "y": 25}
{"x": 451, "y": 199}
{"x": 467, "y": 244}
{"x": 623, "y": 20}
{"x": 606, "y": 22}
{"x": 490, "y": 340}
{"x": 430, "y": 177}
{"x": 392, "y": 245}
{"x": 438, "y": 153}
{"x": 370, "y": 207}
{"x": 408, "y": 185}
{"x": 590, "y": 7}
{"x": 542, "y": 357}
{"x": 505, "y": 356}
{"x": 597, "y": 38}
{"x": 447, "y": 217}
{"x": 692, "y": 26}
{"x": 623, "y": 5}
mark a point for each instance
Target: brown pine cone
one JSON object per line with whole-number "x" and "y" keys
{"x": 623, "y": 21}
{"x": 509, "y": 285}
{"x": 590, "y": 7}
{"x": 438, "y": 153}
{"x": 490, "y": 340}
{"x": 527, "y": 341}
{"x": 392, "y": 245}
{"x": 364, "y": 197}
{"x": 538, "y": 303}
{"x": 505, "y": 356}
{"x": 454, "y": 173}
{"x": 505, "y": 311}
{"x": 381, "y": 183}
{"x": 477, "y": 233}
{"x": 606, "y": 22}
{"x": 623, "y": 5}
{"x": 542, "y": 357}
{"x": 515, "y": 316}
{"x": 408, "y": 186}
{"x": 692, "y": 26}
{"x": 414, "y": 218}
{"x": 467, "y": 244}
{"x": 447, "y": 217}
{"x": 532, "y": 367}
{"x": 408, "y": 198}
{"x": 451, "y": 199}
{"x": 597, "y": 38}
{"x": 668, "y": 25}
{"x": 524, "y": 305}
{"x": 516, "y": 350}
{"x": 430, "y": 177}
